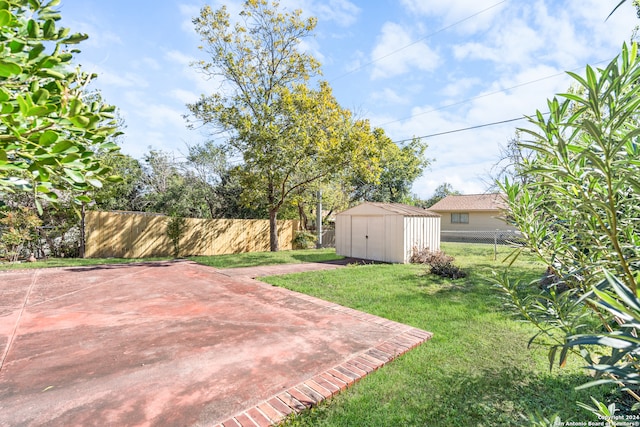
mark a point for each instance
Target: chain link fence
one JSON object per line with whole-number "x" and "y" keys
{"x": 494, "y": 237}
{"x": 499, "y": 237}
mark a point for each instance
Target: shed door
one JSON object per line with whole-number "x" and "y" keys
{"x": 367, "y": 237}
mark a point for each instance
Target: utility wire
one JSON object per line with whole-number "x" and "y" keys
{"x": 465, "y": 129}
{"x": 373, "y": 61}
{"x": 484, "y": 95}
{"x": 460, "y": 130}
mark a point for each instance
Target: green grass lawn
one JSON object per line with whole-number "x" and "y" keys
{"x": 255, "y": 259}
{"x": 218, "y": 261}
{"x": 476, "y": 371}
{"x": 73, "y": 262}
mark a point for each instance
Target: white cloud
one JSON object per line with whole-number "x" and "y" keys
{"x": 394, "y": 54}
{"x": 514, "y": 42}
{"x": 459, "y": 86}
{"x": 343, "y": 12}
{"x": 188, "y": 12}
{"x": 389, "y": 96}
{"x": 120, "y": 78}
{"x": 98, "y": 37}
{"x": 184, "y": 96}
{"x": 475, "y": 16}
{"x": 178, "y": 57}
{"x": 155, "y": 115}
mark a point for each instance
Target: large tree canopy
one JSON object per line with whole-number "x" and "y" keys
{"x": 288, "y": 134}
{"x": 50, "y": 130}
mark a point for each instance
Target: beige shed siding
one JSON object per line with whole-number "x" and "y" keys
{"x": 478, "y": 221}
{"x": 420, "y": 233}
{"x": 343, "y": 235}
{"x": 393, "y": 232}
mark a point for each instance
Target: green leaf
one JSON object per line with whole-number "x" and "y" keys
{"x": 49, "y": 28}
{"x": 6, "y": 108}
{"x": 16, "y": 46}
{"x": 95, "y": 182}
{"x": 46, "y": 72}
{"x": 83, "y": 199}
{"x": 114, "y": 178}
{"x": 4, "y": 5}
{"x": 37, "y": 111}
{"x": 75, "y": 38}
{"x": 8, "y": 69}
{"x": 48, "y": 137}
{"x": 4, "y": 95}
{"x": 33, "y": 29}
{"x": 36, "y": 51}
{"x": 5, "y": 17}
{"x": 75, "y": 175}
{"x": 70, "y": 158}
{"x": 80, "y": 121}
{"x": 75, "y": 107}
{"x": 41, "y": 96}
{"x": 62, "y": 146}
{"x": 109, "y": 146}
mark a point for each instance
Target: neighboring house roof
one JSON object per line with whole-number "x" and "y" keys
{"x": 471, "y": 202}
{"x": 389, "y": 208}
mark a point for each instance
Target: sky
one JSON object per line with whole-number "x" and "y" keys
{"x": 415, "y": 68}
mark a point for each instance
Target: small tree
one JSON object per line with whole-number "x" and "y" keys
{"x": 579, "y": 211}
{"x": 175, "y": 230}
{"x": 18, "y": 227}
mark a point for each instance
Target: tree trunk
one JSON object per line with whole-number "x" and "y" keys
{"x": 273, "y": 230}
{"x": 303, "y": 216}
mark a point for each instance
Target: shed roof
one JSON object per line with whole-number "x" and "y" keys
{"x": 471, "y": 202}
{"x": 388, "y": 209}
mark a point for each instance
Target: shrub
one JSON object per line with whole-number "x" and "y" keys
{"x": 304, "y": 240}
{"x": 439, "y": 263}
{"x": 175, "y": 229}
{"x": 578, "y": 212}
{"x": 17, "y": 228}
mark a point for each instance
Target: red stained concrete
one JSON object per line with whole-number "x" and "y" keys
{"x": 176, "y": 344}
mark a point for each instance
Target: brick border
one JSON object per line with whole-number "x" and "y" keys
{"x": 327, "y": 384}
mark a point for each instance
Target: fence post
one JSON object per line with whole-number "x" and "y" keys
{"x": 495, "y": 245}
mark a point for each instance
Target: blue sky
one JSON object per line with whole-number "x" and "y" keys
{"x": 413, "y": 67}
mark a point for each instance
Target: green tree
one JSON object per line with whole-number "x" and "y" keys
{"x": 206, "y": 164}
{"x": 287, "y": 134}
{"x": 126, "y": 194}
{"x": 49, "y": 132}
{"x": 443, "y": 190}
{"x": 400, "y": 167}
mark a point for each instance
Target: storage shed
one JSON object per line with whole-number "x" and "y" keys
{"x": 386, "y": 232}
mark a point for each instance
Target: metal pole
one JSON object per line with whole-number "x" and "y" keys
{"x": 319, "y": 220}
{"x": 495, "y": 245}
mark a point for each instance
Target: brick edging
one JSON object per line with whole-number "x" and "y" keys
{"x": 327, "y": 384}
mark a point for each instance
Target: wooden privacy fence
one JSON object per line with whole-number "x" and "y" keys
{"x": 138, "y": 235}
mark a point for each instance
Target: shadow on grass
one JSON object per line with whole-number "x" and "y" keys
{"x": 490, "y": 397}
{"x": 507, "y": 396}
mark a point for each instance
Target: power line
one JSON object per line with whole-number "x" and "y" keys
{"x": 463, "y": 129}
{"x": 416, "y": 42}
{"x": 464, "y": 101}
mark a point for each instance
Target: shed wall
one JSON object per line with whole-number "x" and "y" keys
{"x": 343, "y": 235}
{"x": 420, "y": 233}
{"x": 395, "y": 238}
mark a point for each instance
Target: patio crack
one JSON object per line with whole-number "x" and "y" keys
{"x": 15, "y": 328}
